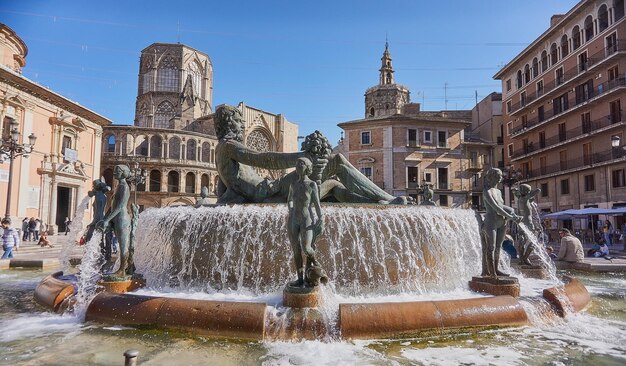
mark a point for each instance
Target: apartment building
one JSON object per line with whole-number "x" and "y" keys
{"x": 399, "y": 147}
{"x": 562, "y": 96}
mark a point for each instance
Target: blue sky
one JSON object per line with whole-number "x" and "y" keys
{"x": 309, "y": 60}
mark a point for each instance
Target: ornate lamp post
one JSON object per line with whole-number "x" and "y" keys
{"x": 615, "y": 142}
{"x": 138, "y": 177}
{"x": 11, "y": 149}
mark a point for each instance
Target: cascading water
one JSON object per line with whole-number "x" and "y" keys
{"x": 364, "y": 250}
{"x": 76, "y": 230}
{"x": 541, "y": 252}
{"x": 89, "y": 275}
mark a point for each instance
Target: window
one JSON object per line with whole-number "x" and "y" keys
{"x": 564, "y": 186}
{"x": 590, "y": 183}
{"x": 582, "y": 62}
{"x": 195, "y": 70}
{"x": 509, "y": 126}
{"x": 111, "y": 144}
{"x": 613, "y": 73}
{"x": 585, "y": 120}
{"x": 562, "y": 132}
{"x": 522, "y": 98}
{"x": 167, "y": 74}
{"x": 510, "y": 150}
{"x": 575, "y": 38}
{"x": 428, "y": 177}
{"x": 553, "y": 55}
{"x": 618, "y": 9}
{"x": 524, "y": 121}
{"x": 616, "y": 111}
{"x": 412, "y": 137}
{"x": 564, "y": 46}
{"x": 365, "y": 138}
{"x": 443, "y": 200}
{"x": 542, "y": 139}
{"x": 442, "y": 178}
{"x": 526, "y": 74}
{"x": 587, "y": 153}
{"x": 544, "y": 61}
{"x": 428, "y": 136}
{"x": 509, "y": 106}
{"x": 603, "y": 18}
{"x": 540, "y": 87}
{"x": 541, "y": 114}
{"x": 442, "y": 139}
{"x": 583, "y": 91}
{"x": 519, "y": 79}
{"x": 588, "y": 28}
{"x": 560, "y": 104}
{"x": 559, "y": 76}
{"x": 544, "y": 190}
{"x": 563, "y": 159}
{"x": 535, "y": 67}
{"x": 367, "y": 171}
{"x": 164, "y": 113}
{"x": 67, "y": 143}
{"x": 190, "y": 183}
{"x": 611, "y": 44}
{"x": 508, "y": 85}
{"x": 475, "y": 180}
{"x": 155, "y": 181}
{"x": 372, "y": 112}
{"x": 542, "y": 165}
{"x": 411, "y": 177}
{"x": 618, "y": 178}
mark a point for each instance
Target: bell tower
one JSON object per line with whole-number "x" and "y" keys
{"x": 387, "y": 98}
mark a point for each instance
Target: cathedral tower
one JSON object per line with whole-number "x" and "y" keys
{"x": 387, "y": 98}
{"x": 175, "y": 86}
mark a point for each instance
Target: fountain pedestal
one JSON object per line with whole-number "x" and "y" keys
{"x": 532, "y": 271}
{"x": 503, "y": 285}
{"x": 300, "y": 319}
{"x": 301, "y": 297}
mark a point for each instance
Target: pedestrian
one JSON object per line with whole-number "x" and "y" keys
{"x": 37, "y": 229}
{"x": 25, "y": 229}
{"x": 31, "y": 229}
{"x": 571, "y": 249}
{"x": 67, "y": 225}
{"x": 44, "y": 241}
{"x": 607, "y": 230}
{"x": 10, "y": 239}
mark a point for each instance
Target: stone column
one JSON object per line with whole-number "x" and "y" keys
{"x": 163, "y": 181}
{"x": 52, "y": 214}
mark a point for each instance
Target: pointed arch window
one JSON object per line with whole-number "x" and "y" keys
{"x": 544, "y": 61}
{"x": 575, "y": 38}
{"x": 164, "y": 113}
{"x": 564, "y": 46}
{"x": 167, "y": 74}
{"x": 535, "y": 67}
{"x": 195, "y": 70}
{"x": 588, "y": 28}
{"x": 191, "y": 150}
{"x": 554, "y": 57}
{"x": 603, "y": 18}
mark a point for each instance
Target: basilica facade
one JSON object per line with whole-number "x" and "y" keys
{"x": 173, "y": 138}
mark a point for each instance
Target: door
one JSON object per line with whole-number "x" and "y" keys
{"x": 64, "y": 202}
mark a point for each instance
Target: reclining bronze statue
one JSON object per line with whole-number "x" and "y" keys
{"x": 240, "y": 183}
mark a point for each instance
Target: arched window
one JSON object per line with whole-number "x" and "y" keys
{"x": 108, "y": 176}
{"x": 257, "y": 141}
{"x": 155, "y": 181}
{"x": 205, "y": 182}
{"x": 564, "y": 46}
{"x": 191, "y": 150}
{"x": 206, "y": 152}
{"x": 111, "y": 144}
{"x": 372, "y": 112}
{"x": 164, "y": 113}
{"x": 141, "y": 145}
{"x": 190, "y": 183}
{"x": 156, "y": 146}
{"x": 174, "y": 148}
{"x": 618, "y": 9}
{"x": 535, "y": 67}
{"x": 575, "y": 38}
{"x": 173, "y": 181}
{"x": 519, "y": 78}
{"x": 124, "y": 144}
{"x": 554, "y": 57}
{"x": 526, "y": 73}
{"x": 167, "y": 74}
{"x": 544, "y": 61}
{"x": 588, "y": 28}
{"x": 146, "y": 82}
{"x": 603, "y": 18}
{"x": 195, "y": 70}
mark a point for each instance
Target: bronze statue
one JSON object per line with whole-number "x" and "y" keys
{"x": 204, "y": 196}
{"x": 119, "y": 217}
{"x": 525, "y": 196}
{"x": 240, "y": 183}
{"x": 302, "y": 228}
{"x": 493, "y": 227}
{"x": 99, "y": 188}
{"x": 427, "y": 195}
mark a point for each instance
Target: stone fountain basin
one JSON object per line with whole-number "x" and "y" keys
{"x": 246, "y": 320}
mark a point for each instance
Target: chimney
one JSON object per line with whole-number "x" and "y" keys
{"x": 555, "y": 19}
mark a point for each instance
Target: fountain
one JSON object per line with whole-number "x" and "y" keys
{"x": 394, "y": 269}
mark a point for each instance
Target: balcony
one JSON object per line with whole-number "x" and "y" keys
{"x": 587, "y": 161}
{"x": 109, "y": 158}
{"x": 475, "y": 166}
{"x": 549, "y": 115}
{"x": 586, "y": 129}
{"x": 569, "y": 75}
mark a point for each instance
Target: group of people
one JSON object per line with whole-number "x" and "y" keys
{"x": 34, "y": 229}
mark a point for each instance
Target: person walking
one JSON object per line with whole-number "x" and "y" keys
{"x": 31, "y": 229}
{"x": 67, "y": 225}
{"x": 607, "y": 230}
{"x": 37, "y": 229}
{"x": 25, "y": 229}
{"x": 10, "y": 239}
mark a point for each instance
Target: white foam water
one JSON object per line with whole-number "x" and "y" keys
{"x": 89, "y": 274}
{"x": 76, "y": 231}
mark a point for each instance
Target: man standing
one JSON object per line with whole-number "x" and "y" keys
{"x": 10, "y": 239}
{"x": 571, "y": 248}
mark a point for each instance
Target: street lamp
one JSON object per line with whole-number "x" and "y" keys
{"x": 512, "y": 176}
{"x": 138, "y": 176}
{"x": 11, "y": 149}
{"x": 615, "y": 142}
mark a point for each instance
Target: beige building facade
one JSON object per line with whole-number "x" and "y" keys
{"x": 56, "y": 176}
{"x": 173, "y": 137}
{"x": 399, "y": 147}
{"x": 562, "y": 98}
